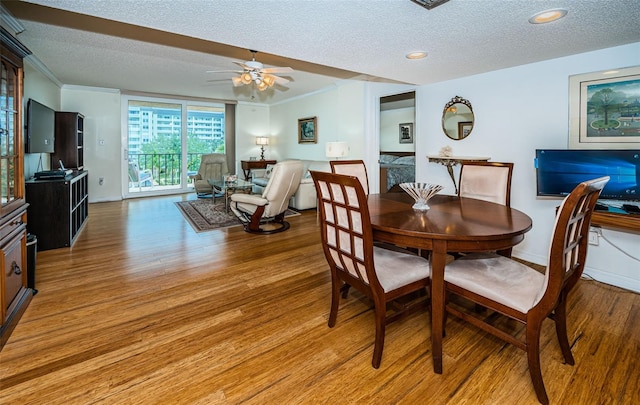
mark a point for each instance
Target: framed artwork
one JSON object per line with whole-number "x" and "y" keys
{"x": 464, "y": 129}
{"x": 406, "y": 133}
{"x": 308, "y": 130}
{"x": 604, "y": 109}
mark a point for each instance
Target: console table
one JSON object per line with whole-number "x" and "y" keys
{"x": 451, "y": 161}
{"x": 248, "y": 165}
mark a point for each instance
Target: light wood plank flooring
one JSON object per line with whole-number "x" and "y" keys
{"x": 143, "y": 310}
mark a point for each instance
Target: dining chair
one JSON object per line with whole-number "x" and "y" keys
{"x": 521, "y": 293}
{"x": 352, "y": 168}
{"x": 489, "y": 181}
{"x": 383, "y": 275}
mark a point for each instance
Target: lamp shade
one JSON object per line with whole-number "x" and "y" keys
{"x": 262, "y": 140}
{"x": 337, "y": 149}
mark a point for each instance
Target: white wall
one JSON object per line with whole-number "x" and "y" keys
{"x": 340, "y": 114}
{"x": 102, "y": 142}
{"x": 390, "y": 121}
{"x": 518, "y": 110}
{"x": 252, "y": 120}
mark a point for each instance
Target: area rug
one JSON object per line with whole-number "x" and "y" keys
{"x": 205, "y": 215}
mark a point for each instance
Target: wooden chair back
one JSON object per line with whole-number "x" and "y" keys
{"x": 489, "y": 181}
{"x": 569, "y": 243}
{"x": 347, "y": 238}
{"x": 355, "y": 168}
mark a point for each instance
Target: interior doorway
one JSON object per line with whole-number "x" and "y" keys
{"x": 397, "y": 141}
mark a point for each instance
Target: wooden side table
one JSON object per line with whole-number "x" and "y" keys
{"x": 248, "y": 165}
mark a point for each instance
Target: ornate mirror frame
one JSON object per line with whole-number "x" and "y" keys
{"x": 458, "y": 118}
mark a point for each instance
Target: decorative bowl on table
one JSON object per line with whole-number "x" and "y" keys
{"x": 421, "y": 192}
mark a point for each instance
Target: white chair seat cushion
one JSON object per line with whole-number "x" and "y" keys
{"x": 396, "y": 269}
{"x": 248, "y": 203}
{"x": 498, "y": 278}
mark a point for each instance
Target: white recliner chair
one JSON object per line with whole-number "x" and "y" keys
{"x": 265, "y": 213}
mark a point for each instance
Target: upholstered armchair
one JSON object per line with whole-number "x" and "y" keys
{"x": 213, "y": 166}
{"x": 265, "y": 213}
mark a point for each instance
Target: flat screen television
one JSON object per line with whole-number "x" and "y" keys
{"x": 40, "y": 131}
{"x": 558, "y": 171}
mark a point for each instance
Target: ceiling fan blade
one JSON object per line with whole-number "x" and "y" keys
{"x": 277, "y": 70}
{"x": 224, "y": 71}
{"x": 243, "y": 65}
{"x": 281, "y": 80}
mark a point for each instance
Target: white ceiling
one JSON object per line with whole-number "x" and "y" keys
{"x": 166, "y": 46}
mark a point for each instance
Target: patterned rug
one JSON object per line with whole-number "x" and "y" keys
{"x": 205, "y": 215}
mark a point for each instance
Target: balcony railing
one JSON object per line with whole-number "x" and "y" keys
{"x": 165, "y": 169}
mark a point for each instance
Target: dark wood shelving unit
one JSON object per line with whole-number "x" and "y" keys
{"x": 58, "y": 208}
{"x": 69, "y": 140}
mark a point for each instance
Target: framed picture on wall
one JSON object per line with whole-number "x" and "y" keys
{"x": 464, "y": 129}
{"x": 308, "y": 130}
{"x": 406, "y": 133}
{"x": 604, "y": 109}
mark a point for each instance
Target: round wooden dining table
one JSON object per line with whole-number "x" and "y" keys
{"x": 452, "y": 224}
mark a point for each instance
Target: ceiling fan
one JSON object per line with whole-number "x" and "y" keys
{"x": 255, "y": 72}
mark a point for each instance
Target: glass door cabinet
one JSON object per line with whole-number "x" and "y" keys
{"x": 15, "y": 293}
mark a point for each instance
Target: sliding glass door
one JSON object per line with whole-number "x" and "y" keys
{"x": 165, "y": 140}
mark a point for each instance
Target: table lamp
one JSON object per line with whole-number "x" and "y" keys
{"x": 337, "y": 149}
{"x": 262, "y": 141}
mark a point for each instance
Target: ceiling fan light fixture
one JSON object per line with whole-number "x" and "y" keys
{"x": 254, "y": 72}
{"x": 548, "y": 16}
{"x": 246, "y": 78}
{"x": 262, "y": 85}
{"x": 269, "y": 80}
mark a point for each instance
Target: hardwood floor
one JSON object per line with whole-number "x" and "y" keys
{"x": 144, "y": 310}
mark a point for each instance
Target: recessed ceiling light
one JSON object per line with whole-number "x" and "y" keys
{"x": 417, "y": 55}
{"x": 548, "y": 16}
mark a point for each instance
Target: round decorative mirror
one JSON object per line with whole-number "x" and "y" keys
{"x": 457, "y": 118}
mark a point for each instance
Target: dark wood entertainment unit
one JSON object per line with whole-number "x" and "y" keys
{"x": 57, "y": 209}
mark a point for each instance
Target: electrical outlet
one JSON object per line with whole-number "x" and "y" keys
{"x": 594, "y": 234}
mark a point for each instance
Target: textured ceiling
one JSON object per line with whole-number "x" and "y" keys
{"x": 166, "y": 46}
